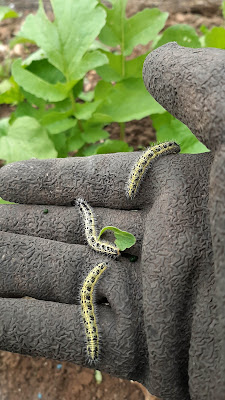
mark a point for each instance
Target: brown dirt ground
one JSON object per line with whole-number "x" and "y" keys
{"x": 27, "y": 378}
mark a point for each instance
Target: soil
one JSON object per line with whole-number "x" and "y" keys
{"x": 27, "y": 378}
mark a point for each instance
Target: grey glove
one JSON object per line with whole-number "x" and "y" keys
{"x": 158, "y": 316}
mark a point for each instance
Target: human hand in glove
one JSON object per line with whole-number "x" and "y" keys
{"x": 157, "y": 316}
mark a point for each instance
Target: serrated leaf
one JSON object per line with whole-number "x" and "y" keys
{"x": 180, "y": 133}
{"x": 215, "y": 38}
{"x": 184, "y": 35}
{"x": 66, "y": 40}
{"x": 127, "y": 100}
{"x": 26, "y": 138}
{"x": 7, "y": 12}
{"x": 124, "y": 240}
{"x": 143, "y": 27}
{"x": 113, "y": 146}
{"x": 37, "y": 86}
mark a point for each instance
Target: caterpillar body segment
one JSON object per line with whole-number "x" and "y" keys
{"x": 100, "y": 246}
{"x": 144, "y": 162}
{"x": 88, "y": 312}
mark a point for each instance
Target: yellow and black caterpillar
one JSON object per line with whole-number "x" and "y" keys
{"x": 143, "y": 163}
{"x": 100, "y": 246}
{"x": 88, "y": 312}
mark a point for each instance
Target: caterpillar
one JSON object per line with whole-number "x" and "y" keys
{"x": 143, "y": 163}
{"x": 90, "y": 232}
{"x": 88, "y": 312}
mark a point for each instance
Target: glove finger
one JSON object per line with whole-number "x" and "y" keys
{"x": 65, "y": 224}
{"x": 100, "y": 180}
{"x": 186, "y": 82}
{"x": 54, "y": 330}
{"x": 43, "y": 269}
{"x": 46, "y": 269}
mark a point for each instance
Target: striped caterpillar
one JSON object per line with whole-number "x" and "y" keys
{"x": 143, "y": 163}
{"x": 88, "y": 312}
{"x": 89, "y": 222}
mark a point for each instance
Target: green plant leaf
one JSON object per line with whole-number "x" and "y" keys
{"x": 7, "y": 12}
{"x": 113, "y": 70}
{"x": 85, "y": 111}
{"x": 93, "y": 134}
{"x": 39, "y": 87}
{"x": 143, "y": 27}
{"x": 124, "y": 240}
{"x": 127, "y": 33}
{"x": 113, "y": 146}
{"x": 10, "y": 92}
{"x": 4, "y": 126}
{"x": 172, "y": 129}
{"x": 61, "y": 125}
{"x": 125, "y": 101}
{"x": 113, "y": 32}
{"x": 26, "y": 138}
{"x": 75, "y": 140}
{"x": 36, "y": 56}
{"x": 215, "y": 38}
{"x": 184, "y": 35}
{"x": 66, "y": 40}
{"x": 5, "y": 202}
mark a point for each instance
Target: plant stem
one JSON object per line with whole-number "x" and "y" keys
{"x": 122, "y": 130}
{"x": 74, "y": 110}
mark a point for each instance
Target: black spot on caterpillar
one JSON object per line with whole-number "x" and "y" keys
{"x": 88, "y": 312}
{"x": 143, "y": 163}
{"x": 90, "y": 232}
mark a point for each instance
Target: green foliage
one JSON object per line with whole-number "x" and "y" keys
{"x": 215, "y": 38}
{"x": 167, "y": 126}
{"x": 54, "y": 116}
{"x": 184, "y": 35}
{"x": 123, "y": 240}
{"x": 7, "y": 12}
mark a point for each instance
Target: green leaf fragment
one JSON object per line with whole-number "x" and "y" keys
{"x": 143, "y": 27}
{"x": 169, "y": 128}
{"x": 125, "y": 101}
{"x": 124, "y": 240}
{"x": 7, "y": 12}
{"x": 215, "y": 38}
{"x": 113, "y": 146}
{"x": 39, "y": 87}
{"x": 26, "y": 139}
{"x": 184, "y": 35}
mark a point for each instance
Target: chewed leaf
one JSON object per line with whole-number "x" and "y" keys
{"x": 124, "y": 240}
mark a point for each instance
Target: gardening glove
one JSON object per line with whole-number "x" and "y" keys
{"x": 157, "y": 315}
